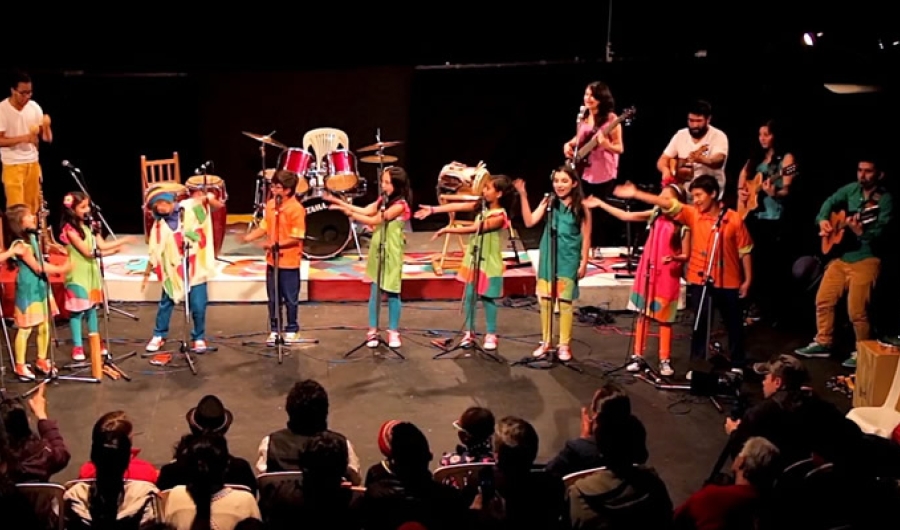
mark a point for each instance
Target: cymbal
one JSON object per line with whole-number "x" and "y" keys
{"x": 375, "y": 159}
{"x": 265, "y": 138}
{"x": 376, "y": 147}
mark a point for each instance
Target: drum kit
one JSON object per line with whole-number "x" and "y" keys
{"x": 331, "y": 171}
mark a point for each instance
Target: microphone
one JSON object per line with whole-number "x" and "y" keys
{"x": 68, "y": 165}
{"x": 203, "y": 167}
{"x": 720, "y": 218}
{"x": 278, "y": 199}
{"x": 581, "y": 111}
{"x": 549, "y": 197}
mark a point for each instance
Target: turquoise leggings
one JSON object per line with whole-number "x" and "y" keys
{"x": 490, "y": 311}
{"x": 394, "y": 306}
{"x": 75, "y": 320}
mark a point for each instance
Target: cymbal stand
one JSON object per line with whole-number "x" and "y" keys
{"x": 97, "y": 214}
{"x": 261, "y": 192}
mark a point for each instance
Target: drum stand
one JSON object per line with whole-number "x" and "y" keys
{"x": 98, "y": 215}
{"x": 261, "y": 193}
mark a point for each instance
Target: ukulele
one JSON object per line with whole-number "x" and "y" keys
{"x": 580, "y": 160}
{"x": 754, "y": 187}
{"x": 839, "y": 221}
{"x": 682, "y": 169}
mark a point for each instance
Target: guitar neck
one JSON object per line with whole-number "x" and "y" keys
{"x": 586, "y": 149}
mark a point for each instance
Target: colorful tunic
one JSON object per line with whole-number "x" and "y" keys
{"x": 663, "y": 285}
{"x": 490, "y": 277}
{"x": 31, "y": 290}
{"x": 166, "y": 249}
{"x": 394, "y": 245}
{"x": 568, "y": 255}
{"x": 83, "y": 288}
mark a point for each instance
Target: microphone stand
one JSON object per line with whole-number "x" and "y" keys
{"x": 379, "y": 275}
{"x": 472, "y": 286}
{"x": 54, "y": 376}
{"x": 709, "y": 282}
{"x": 184, "y": 348}
{"x": 550, "y": 357}
{"x": 107, "y": 359}
{"x": 97, "y": 213}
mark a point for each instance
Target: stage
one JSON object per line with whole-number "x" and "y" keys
{"x": 240, "y": 275}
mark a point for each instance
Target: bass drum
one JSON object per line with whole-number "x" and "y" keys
{"x": 327, "y": 231}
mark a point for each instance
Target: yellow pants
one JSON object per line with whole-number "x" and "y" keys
{"x": 857, "y": 280}
{"x": 566, "y": 321}
{"x": 22, "y": 184}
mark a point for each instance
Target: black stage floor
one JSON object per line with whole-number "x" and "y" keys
{"x": 685, "y": 433}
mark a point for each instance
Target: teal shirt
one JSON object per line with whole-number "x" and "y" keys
{"x": 770, "y": 207}
{"x": 852, "y": 198}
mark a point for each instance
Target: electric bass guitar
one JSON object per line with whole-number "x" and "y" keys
{"x": 754, "y": 187}
{"x": 580, "y": 160}
{"x": 839, "y": 221}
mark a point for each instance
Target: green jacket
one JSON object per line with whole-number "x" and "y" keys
{"x": 852, "y": 198}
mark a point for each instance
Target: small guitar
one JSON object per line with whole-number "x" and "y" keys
{"x": 683, "y": 168}
{"x": 839, "y": 221}
{"x": 580, "y": 160}
{"x": 754, "y": 187}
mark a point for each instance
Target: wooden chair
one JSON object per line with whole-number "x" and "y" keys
{"x": 162, "y": 170}
{"x": 47, "y": 501}
{"x": 460, "y": 475}
{"x": 457, "y": 184}
{"x": 572, "y": 478}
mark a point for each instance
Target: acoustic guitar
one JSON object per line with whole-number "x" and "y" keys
{"x": 754, "y": 187}
{"x": 839, "y": 221}
{"x": 580, "y": 160}
{"x": 683, "y": 168}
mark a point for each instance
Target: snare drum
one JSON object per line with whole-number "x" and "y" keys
{"x": 216, "y": 186}
{"x": 180, "y": 192}
{"x": 342, "y": 174}
{"x": 302, "y": 182}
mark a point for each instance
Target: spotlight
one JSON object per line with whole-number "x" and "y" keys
{"x": 808, "y": 39}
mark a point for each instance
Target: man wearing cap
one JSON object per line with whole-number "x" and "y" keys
{"x": 775, "y": 418}
{"x": 176, "y": 223}
{"x": 209, "y": 417}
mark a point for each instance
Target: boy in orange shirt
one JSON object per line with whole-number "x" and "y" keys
{"x": 286, "y": 215}
{"x": 731, "y": 271}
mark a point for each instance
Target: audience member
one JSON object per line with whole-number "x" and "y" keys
{"x": 307, "y": 410}
{"x": 475, "y": 430}
{"x": 110, "y": 501}
{"x": 581, "y": 453}
{"x": 205, "y": 502}
{"x": 409, "y": 493}
{"x": 39, "y": 456}
{"x": 15, "y": 510}
{"x": 381, "y": 469}
{"x": 137, "y": 469}
{"x": 626, "y": 494}
{"x": 734, "y": 506}
{"x": 209, "y": 417}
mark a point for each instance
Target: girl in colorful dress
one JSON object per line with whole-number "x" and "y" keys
{"x": 33, "y": 309}
{"x": 487, "y": 226}
{"x": 657, "y": 282}
{"x": 83, "y": 288}
{"x": 389, "y": 227}
{"x": 572, "y": 225}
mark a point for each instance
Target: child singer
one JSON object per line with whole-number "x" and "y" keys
{"x": 572, "y": 223}
{"x": 397, "y": 197}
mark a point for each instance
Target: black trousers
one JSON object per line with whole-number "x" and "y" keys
{"x": 729, "y": 305}
{"x": 771, "y": 267}
{"x": 606, "y": 230}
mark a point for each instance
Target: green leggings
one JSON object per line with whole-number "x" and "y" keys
{"x": 490, "y": 311}
{"x": 75, "y": 320}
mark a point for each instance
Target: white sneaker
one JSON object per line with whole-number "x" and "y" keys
{"x": 467, "y": 340}
{"x": 635, "y": 365}
{"x": 563, "y": 353}
{"x": 394, "y": 339}
{"x": 665, "y": 368}
{"x": 540, "y": 350}
{"x": 270, "y": 340}
{"x": 155, "y": 344}
{"x": 199, "y": 346}
{"x": 372, "y": 338}
{"x": 291, "y": 338}
{"x": 490, "y": 342}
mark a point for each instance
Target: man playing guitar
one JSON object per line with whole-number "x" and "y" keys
{"x": 763, "y": 186}
{"x": 857, "y": 264}
{"x": 698, "y": 149}
{"x": 599, "y": 175}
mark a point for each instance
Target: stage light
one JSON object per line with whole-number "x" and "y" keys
{"x": 808, "y": 39}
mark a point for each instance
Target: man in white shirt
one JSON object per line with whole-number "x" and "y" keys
{"x": 22, "y": 125}
{"x": 702, "y": 147}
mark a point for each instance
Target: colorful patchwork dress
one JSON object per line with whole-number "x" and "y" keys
{"x": 657, "y": 285}
{"x": 166, "y": 247}
{"x": 31, "y": 290}
{"x": 490, "y": 277}
{"x": 568, "y": 255}
{"x": 394, "y": 246}
{"x": 83, "y": 288}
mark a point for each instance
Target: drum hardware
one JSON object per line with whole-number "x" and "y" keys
{"x": 261, "y": 194}
{"x": 97, "y": 215}
{"x": 378, "y": 145}
{"x": 375, "y": 159}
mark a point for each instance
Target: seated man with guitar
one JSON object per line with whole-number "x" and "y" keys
{"x": 698, "y": 149}
{"x": 763, "y": 187}
{"x": 851, "y": 223}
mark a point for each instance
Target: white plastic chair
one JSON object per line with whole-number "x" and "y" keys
{"x": 880, "y": 421}
{"x": 325, "y": 140}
